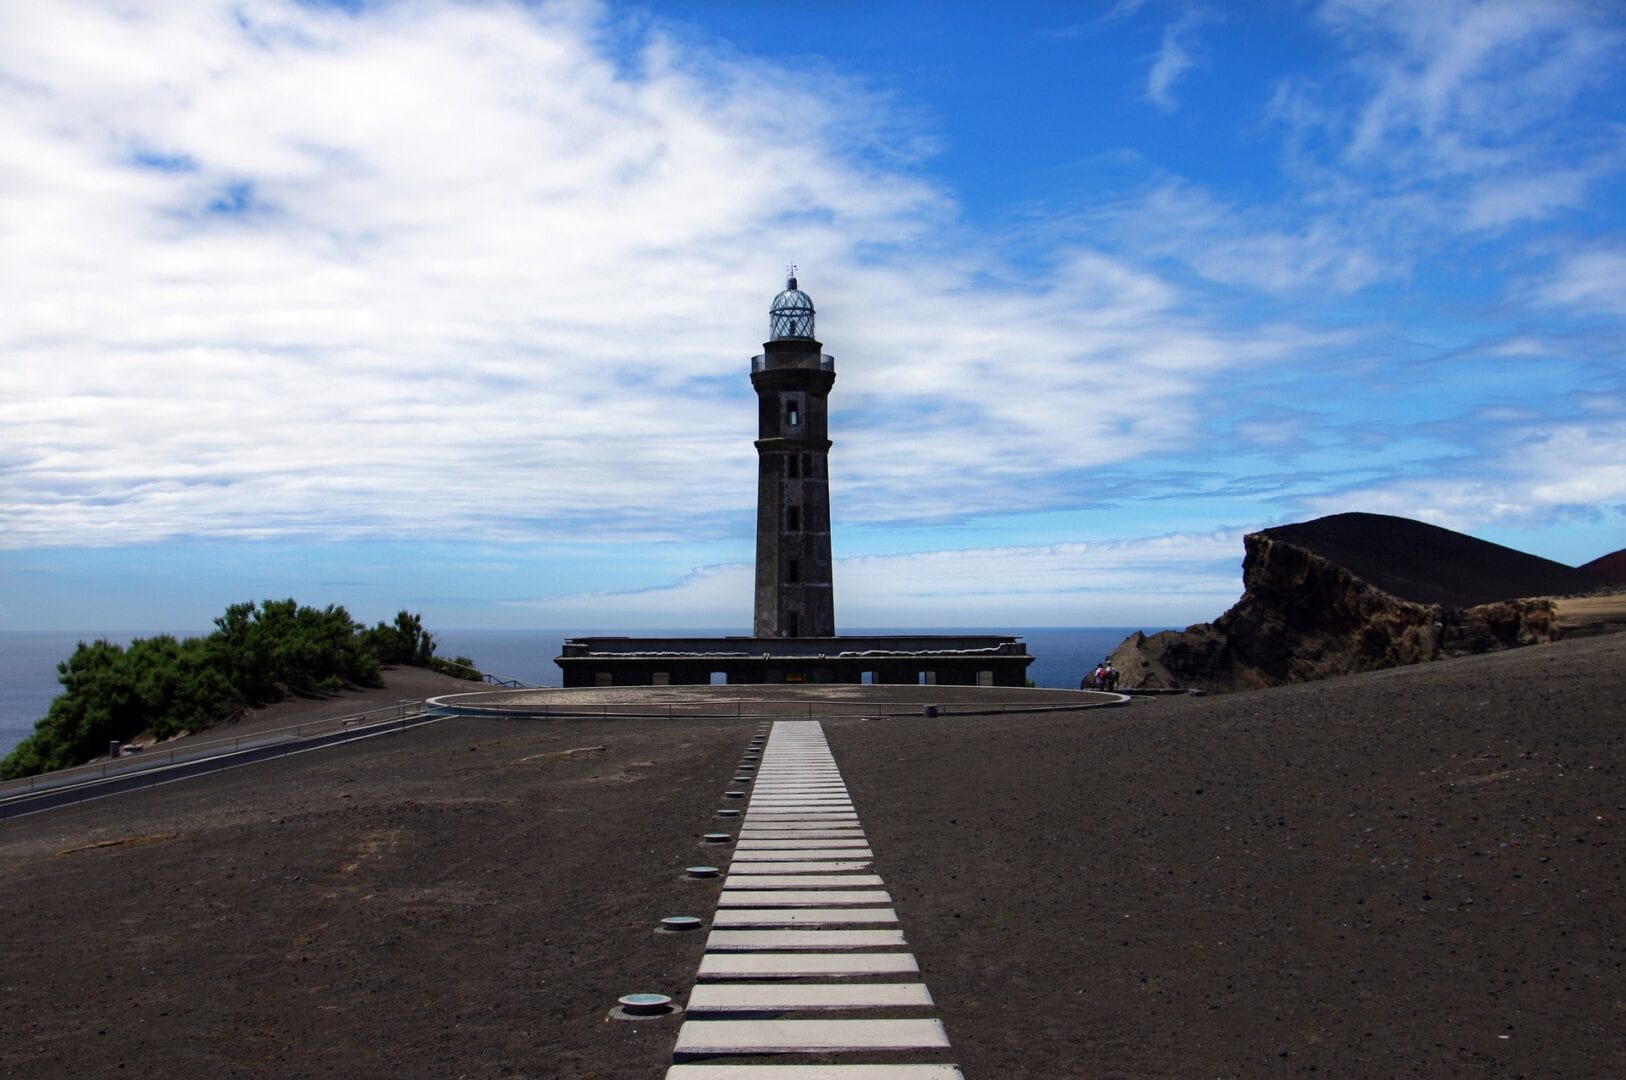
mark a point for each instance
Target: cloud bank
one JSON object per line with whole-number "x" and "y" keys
{"x": 492, "y": 273}
{"x": 283, "y": 270}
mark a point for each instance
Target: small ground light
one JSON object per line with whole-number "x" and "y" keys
{"x": 680, "y": 922}
{"x": 741, "y": 780}
{"x": 717, "y": 837}
{"x": 727, "y": 812}
{"x": 733, "y": 794}
{"x": 644, "y": 1004}
{"x": 703, "y": 871}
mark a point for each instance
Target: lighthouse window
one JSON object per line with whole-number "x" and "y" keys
{"x": 793, "y": 414}
{"x": 793, "y": 518}
{"x": 793, "y": 466}
{"x": 793, "y": 571}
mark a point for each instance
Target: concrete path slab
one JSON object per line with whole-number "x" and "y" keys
{"x": 802, "y": 775}
{"x": 800, "y": 832}
{"x": 792, "y": 997}
{"x": 807, "y": 1036}
{"x": 731, "y": 898}
{"x": 802, "y": 854}
{"x": 779, "y": 771}
{"x": 799, "y": 843}
{"x": 842, "y": 805}
{"x": 721, "y": 941}
{"x": 710, "y": 1071}
{"x": 790, "y": 965}
{"x": 812, "y": 866}
{"x": 829, "y": 882}
{"x": 763, "y": 816}
{"x": 823, "y": 916}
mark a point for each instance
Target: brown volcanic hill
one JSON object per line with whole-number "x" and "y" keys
{"x": 1609, "y": 568}
{"x": 1426, "y": 564}
{"x": 1362, "y": 592}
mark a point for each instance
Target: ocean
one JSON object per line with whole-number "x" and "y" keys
{"x": 28, "y": 659}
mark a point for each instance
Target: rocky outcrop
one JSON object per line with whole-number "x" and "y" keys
{"x": 1303, "y": 616}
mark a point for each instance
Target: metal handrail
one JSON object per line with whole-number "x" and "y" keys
{"x": 485, "y": 676}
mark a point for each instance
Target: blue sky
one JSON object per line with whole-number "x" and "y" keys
{"x": 450, "y": 306}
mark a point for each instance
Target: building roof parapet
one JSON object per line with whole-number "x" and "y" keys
{"x": 911, "y": 645}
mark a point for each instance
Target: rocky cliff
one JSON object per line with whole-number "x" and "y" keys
{"x": 1305, "y": 616}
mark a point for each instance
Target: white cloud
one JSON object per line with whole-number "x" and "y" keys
{"x": 1545, "y": 472}
{"x": 1174, "y": 58}
{"x": 278, "y": 270}
{"x": 1271, "y": 249}
{"x": 1472, "y": 77}
{"x": 1590, "y": 280}
{"x": 1498, "y": 202}
{"x": 1472, "y": 103}
{"x": 1168, "y": 580}
{"x": 1443, "y": 123}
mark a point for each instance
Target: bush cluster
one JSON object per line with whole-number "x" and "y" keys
{"x": 256, "y": 655}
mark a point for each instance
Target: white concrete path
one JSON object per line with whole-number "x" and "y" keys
{"x": 794, "y": 906}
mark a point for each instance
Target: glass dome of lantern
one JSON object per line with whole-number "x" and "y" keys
{"x": 790, "y": 316}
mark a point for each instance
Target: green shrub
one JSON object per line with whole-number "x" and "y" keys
{"x": 460, "y": 667}
{"x": 405, "y": 643}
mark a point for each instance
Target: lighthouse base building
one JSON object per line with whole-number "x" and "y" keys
{"x": 978, "y": 660}
{"x": 794, "y": 637}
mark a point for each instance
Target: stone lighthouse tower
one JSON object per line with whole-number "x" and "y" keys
{"x": 792, "y": 377}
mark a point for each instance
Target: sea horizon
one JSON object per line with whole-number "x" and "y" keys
{"x": 29, "y": 658}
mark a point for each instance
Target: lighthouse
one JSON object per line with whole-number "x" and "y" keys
{"x": 793, "y": 637}
{"x": 792, "y": 377}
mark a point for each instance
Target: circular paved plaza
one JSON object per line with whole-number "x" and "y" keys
{"x": 824, "y": 700}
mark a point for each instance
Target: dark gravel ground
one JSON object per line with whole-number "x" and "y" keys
{"x": 1417, "y": 872}
{"x": 1409, "y": 873}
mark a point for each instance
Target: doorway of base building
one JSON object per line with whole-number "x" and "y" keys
{"x": 985, "y": 678}
{"x": 867, "y": 678}
{"x": 928, "y": 678}
{"x": 719, "y": 678}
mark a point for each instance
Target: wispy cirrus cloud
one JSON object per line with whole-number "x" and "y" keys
{"x": 1176, "y": 55}
{"x": 1589, "y": 279}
